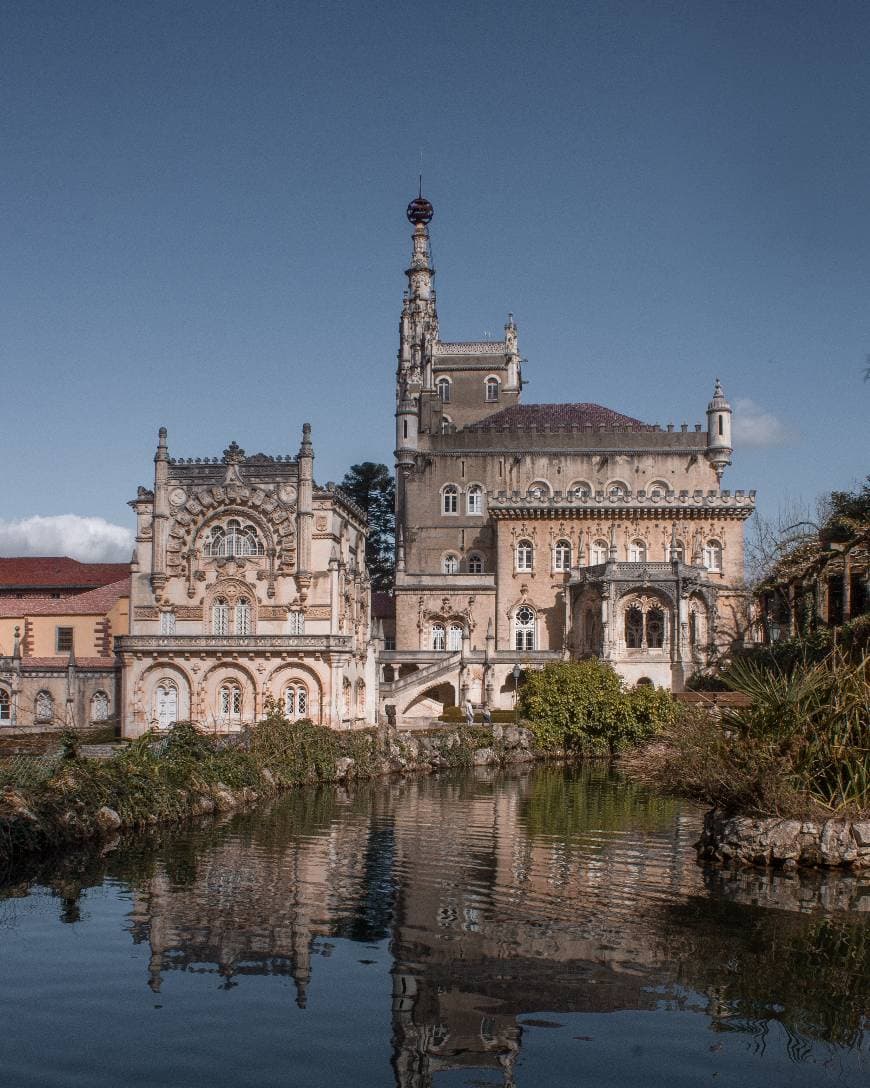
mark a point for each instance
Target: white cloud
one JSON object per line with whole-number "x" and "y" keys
{"x": 755, "y": 427}
{"x": 90, "y": 540}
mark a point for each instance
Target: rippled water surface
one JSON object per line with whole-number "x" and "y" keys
{"x": 546, "y": 928}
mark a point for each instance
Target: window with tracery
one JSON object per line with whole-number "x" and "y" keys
{"x": 475, "y": 563}
{"x": 713, "y": 555}
{"x": 167, "y": 623}
{"x": 655, "y": 628}
{"x": 525, "y": 555}
{"x": 450, "y": 564}
{"x": 562, "y": 555}
{"x": 230, "y": 702}
{"x": 637, "y": 551}
{"x": 436, "y": 636}
{"x": 454, "y": 637}
{"x": 44, "y": 707}
{"x": 220, "y": 617}
{"x": 492, "y": 389}
{"x": 297, "y": 623}
{"x": 450, "y": 499}
{"x": 524, "y": 628}
{"x": 295, "y": 700}
{"x": 633, "y": 628}
{"x": 243, "y": 616}
{"x": 99, "y": 707}
{"x": 474, "y": 499}
{"x": 233, "y": 539}
{"x": 443, "y": 387}
{"x": 5, "y": 705}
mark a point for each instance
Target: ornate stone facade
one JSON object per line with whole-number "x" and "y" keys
{"x": 528, "y": 533}
{"x": 249, "y": 583}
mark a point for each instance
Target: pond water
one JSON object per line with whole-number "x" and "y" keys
{"x": 542, "y": 928}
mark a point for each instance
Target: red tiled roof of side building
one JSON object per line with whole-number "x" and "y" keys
{"x": 383, "y": 605}
{"x": 63, "y": 662}
{"x": 557, "y": 415}
{"x": 57, "y": 571}
{"x": 94, "y": 602}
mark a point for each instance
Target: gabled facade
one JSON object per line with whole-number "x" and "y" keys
{"x": 528, "y": 533}
{"x": 249, "y": 584}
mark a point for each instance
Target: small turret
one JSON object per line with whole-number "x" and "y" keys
{"x": 161, "y": 512}
{"x": 719, "y": 448}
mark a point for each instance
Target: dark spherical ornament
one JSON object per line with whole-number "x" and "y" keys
{"x": 420, "y": 210}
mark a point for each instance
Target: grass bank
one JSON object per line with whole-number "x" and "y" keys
{"x": 49, "y": 802}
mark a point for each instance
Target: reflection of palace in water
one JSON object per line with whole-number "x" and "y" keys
{"x": 487, "y": 917}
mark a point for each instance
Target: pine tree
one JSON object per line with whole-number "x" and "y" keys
{"x": 371, "y": 487}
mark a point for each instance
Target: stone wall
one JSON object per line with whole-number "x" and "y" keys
{"x": 747, "y": 840}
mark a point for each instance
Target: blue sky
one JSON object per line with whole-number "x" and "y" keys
{"x": 203, "y": 227}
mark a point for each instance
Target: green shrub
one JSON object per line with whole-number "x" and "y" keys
{"x": 583, "y": 706}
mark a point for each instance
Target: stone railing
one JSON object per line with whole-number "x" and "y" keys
{"x": 471, "y": 347}
{"x": 230, "y": 643}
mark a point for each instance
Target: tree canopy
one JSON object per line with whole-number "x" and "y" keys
{"x": 371, "y": 486}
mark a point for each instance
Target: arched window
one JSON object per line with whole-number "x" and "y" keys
{"x": 454, "y": 637}
{"x": 598, "y": 552}
{"x": 657, "y": 489}
{"x": 99, "y": 707}
{"x": 616, "y": 489}
{"x": 492, "y": 389}
{"x": 525, "y": 555}
{"x": 524, "y": 628}
{"x": 655, "y": 628}
{"x": 580, "y": 490}
{"x": 230, "y": 702}
{"x": 295, "y": 700}
{"x": 243, "y": 616}
{"x": 5, "y": 705}
{"x": 450, "y": 499}
{"x": 166, "y": 703}
{"x": 446, "y": 424}
{"x": 713, "y": 555}
{"x": 562, "y": 555}
{"x": 474, "y": 499}
{"x": 637, "y": 552}
{"x": 437, "y": 636}
{"x": 220, "y": 617}
{"x": 475, "y": 563}
{"x": 44, "y": 707}
{"x": 443, "y": 387}
{"x": 633, "y": 628}
{"x": 540, "y": 489}
{"x": 450, "y": 564}
{"x": 233, "y": 539}
{"x": 677, "y": 550}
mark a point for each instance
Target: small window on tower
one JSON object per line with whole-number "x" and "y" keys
{"x": 443, "y": 387}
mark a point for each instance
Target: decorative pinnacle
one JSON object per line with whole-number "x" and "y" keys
{"x": 233, "y": 454}
{"x": 420, "y": 210}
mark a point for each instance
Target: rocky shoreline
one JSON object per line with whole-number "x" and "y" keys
{"x": 783, "y": 843}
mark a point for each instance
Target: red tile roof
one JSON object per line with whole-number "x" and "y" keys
{"x": 94, "y": 602}
{"x": 557, "y": 415}
{"x": 57, "y": 572}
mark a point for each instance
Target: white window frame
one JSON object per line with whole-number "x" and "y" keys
{"x": 713, "y": 556}
{"x": 297, "y": 622}
{"x": 296, "y": 702}
{"x": 220, "y": 616}
{"x": 524, "y": 555}
{"x": 562, "y": 555}
{"x": 167, "y": 622}
{"x": 450, "y": 498}
{"x": 243, "y": 616}
{"x": 474, "y": 499}
{"x": 437, "y": 637}
{"x": 598, "y": 552}
{"x": 475, "y": 563}
{"x": 637, "y": 551}
{"x": 450, "y": 563}
{"x": 441, "y": 385}
{"x": 455, "y": 634}
{"x": 230, "y": 701}
{"x": 525, "y": 634}
{"x": 491, "y": 382}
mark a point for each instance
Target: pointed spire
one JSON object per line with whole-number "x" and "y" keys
{"x": 162, "y": 453}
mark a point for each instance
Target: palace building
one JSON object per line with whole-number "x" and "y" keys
{"x": 248, "y": 585}
{"x": 528, "y": 533}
